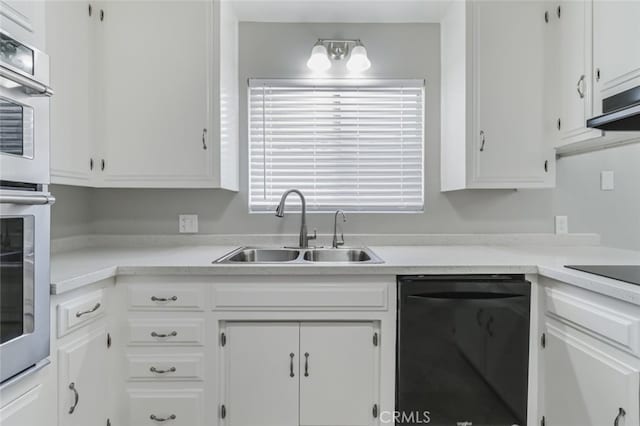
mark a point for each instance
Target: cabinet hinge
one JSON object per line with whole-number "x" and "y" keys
{"x": 559, "y": 12}
{"x": 108, "y": 422}
{"x": 546, "y": 16}
{"x": 546, "y": 166}
{"x": 91, "y": 13}
{"x": 543, "y": 340}
{"x": 375, "y": 339}
{"x": 108, "y": 340}
{"x": 375, "y": 411}
{"x": 223, "y": 339}
{"x": 91, "y": 164}
{"x": 559, "y": 124}
{"x": 101, "y": 15}
{"x": 223, "y": 411}
{"x": 543, "y": 421}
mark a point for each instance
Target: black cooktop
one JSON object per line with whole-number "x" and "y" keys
{"x": 626, "y": 273}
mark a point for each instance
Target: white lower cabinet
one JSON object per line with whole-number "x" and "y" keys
{"x": 590, "y": 358}
{"x": 24, "y": 410}
{"x": 588, "y": 385}
{"x": 83, "y": 379}
{"x": 173, "y": 407}
{"x": 261, "y": 374}
{"x": 306, "y": 373}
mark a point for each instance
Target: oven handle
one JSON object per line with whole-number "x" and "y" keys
{"x": 33, "y": 87}
{"x": 27, "y": 199}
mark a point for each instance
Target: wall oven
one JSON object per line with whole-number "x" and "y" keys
{"x": 24, "y": 280}
{"x": 24, "y": 112}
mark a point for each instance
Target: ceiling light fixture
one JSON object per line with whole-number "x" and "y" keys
{"x": 337, "y": 50}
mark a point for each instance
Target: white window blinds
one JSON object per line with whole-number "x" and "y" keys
{"x": 356, "y": 145}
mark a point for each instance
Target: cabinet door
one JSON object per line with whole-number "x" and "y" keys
{"x": 28, "y": 409}
{"x": 584, "y": 385}
{"x": 24, "y": 20}
{"x": 616, "y": 51}
{"x": 509, "y": 146}
{"x": 154, "y": 93}
{"x": 261, "y": 375}
{"x": 69, "y": 39}
{"x": 337, "y": 374}
{"x": 82, "y": 372}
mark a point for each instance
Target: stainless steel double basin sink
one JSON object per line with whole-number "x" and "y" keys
{"x": 254, "y": 255}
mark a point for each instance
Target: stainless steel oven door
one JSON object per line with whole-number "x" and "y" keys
{"x": 24, "y": 112}
{"x": 24, "y": 281}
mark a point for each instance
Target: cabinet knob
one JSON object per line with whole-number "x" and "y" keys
{"x": 597, "y": 74}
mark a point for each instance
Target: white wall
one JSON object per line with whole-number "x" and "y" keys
{"x": 279, "y": 51}
{"x": 613, "y": 214}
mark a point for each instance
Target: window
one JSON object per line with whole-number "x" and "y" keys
{"x": 356, "y": 145}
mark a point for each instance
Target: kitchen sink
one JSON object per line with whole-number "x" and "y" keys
{"x": 244, "y": 255}
{"x": 339, "y": 255}
{"x": 261, "y": 255}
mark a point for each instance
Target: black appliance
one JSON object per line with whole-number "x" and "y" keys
{"x": 463, "y": 350}
{"x": 621, "y": 112}
{"x": 626, "y": 273}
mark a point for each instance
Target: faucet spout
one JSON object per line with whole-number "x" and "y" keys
{"x": 304, "y": 236}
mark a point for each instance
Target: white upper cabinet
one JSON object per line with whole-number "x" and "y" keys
{"x": 576, "y": 79}
{"x": 497, "y": 117}
{"x": 143, "y": 84}
{"x": 69, "y": 44}
{"x": 616, "y": 50}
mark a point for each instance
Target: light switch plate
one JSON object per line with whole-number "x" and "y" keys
{"x": 562, "y": 225}
{"x": 188, "y": 223}
{"x": 607, "y": 180}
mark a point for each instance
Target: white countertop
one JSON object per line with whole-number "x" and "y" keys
{"x": 77, "y": 268}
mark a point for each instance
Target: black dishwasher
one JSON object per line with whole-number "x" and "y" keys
{"x": 462, "y": 350}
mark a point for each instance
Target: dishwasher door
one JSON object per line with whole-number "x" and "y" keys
{"x": 463, "y": 350}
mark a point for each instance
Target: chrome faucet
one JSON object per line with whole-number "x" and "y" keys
{"x": 337, "y": 243}
{"x": 304, "y": 237}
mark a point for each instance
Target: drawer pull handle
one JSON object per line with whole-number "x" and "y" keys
{"x": 76, "y": 397}
{"x": 164, "y": 299}
{"x": 306, "y": 364}
{"x": 89, "y": 311}
{"x": 155, "y": 370}
{"x": 621, "y": 414}
{"x": 162, "y": 419}
{"x": 162, "y": 335}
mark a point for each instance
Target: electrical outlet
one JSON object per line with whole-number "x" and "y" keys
{"x": 188, "y": 223}
{"x": 606, "y": 180}
{"x": 562, "y": 225}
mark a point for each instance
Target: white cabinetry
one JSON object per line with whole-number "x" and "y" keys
{"x": 586, "y": 385}
{"x": 305, "y": 373}
{"x": 83, "y": 379}
{"x": 591, "y": 358}
{"x": 70, "y": 32}
{"x": 576, "y": 78}
{"x": 140, "y": 102}
{"x": 261, "y": 374}
{"x": 496, "y": 121}
{"x": 24, "y": 20}
{"x": 616, "y": 51}
{"x": 28, "y": 409}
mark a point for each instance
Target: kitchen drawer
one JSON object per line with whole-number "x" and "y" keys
{"x": 175, "y": 407}
{"x": 166, "y": 332}
{"x": 184, "y": 367}
{"x": 185, "y": 297}
{"x": 293, "y": 296}
{"x": 599, "y": 315}
{"x": 75, "y": 313}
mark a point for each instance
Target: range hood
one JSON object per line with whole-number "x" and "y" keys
{"x": 621, "y": 112}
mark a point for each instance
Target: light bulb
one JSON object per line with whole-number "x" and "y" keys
{"x": 319, "y": 59}
{"x": 358, "y": 61}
